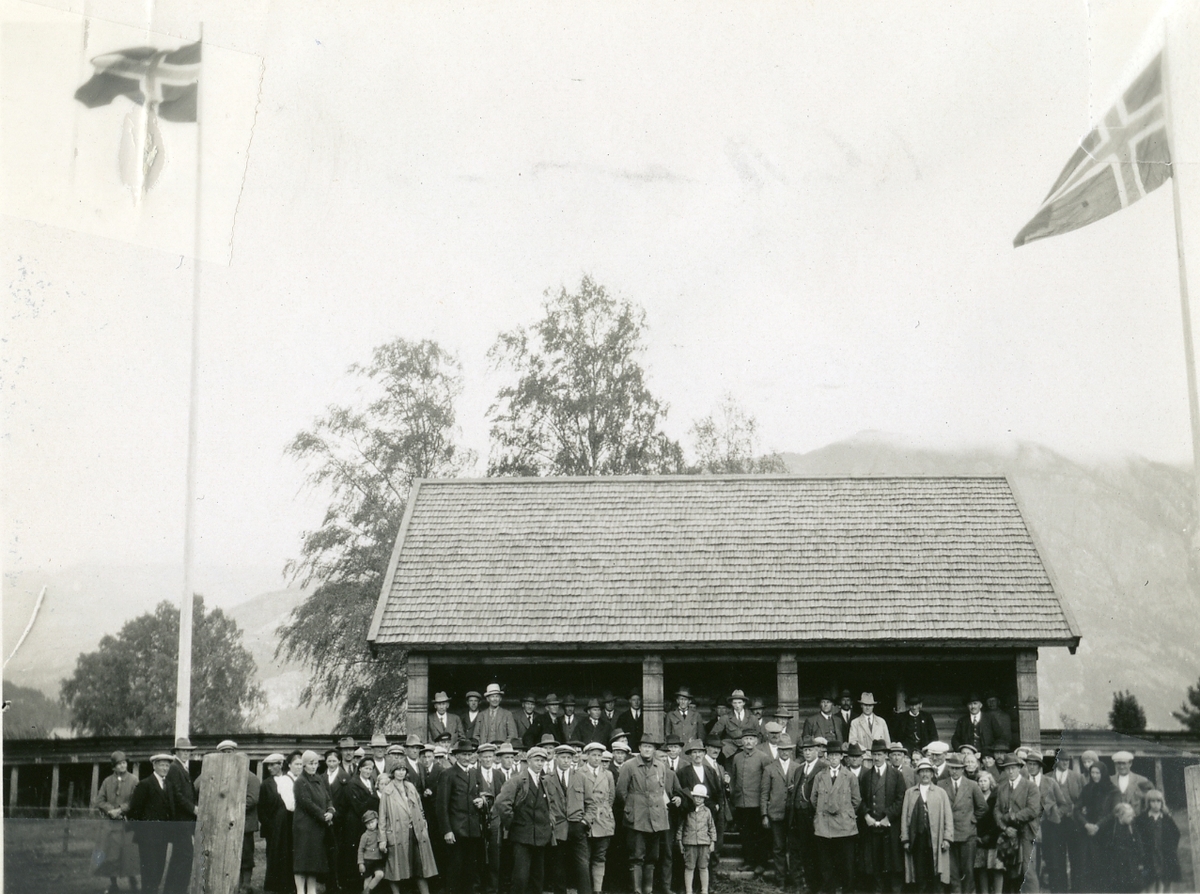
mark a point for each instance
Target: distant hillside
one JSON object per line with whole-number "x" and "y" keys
{"x": 1116, "y": 538}
{"x": 28, "y": 714}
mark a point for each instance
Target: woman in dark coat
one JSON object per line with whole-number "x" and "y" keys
{"x": 275, "y": 804}
{"x": 311, "y": 824}
{"x": 1122, "y": 852}
{"x": 353, "y": 799}
{"x": 1160, "y": 843}
{"x": 1096, "y": 805}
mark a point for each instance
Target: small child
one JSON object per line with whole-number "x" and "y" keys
{"x": 697, "y": 838}
{"x": 370, "y": 858}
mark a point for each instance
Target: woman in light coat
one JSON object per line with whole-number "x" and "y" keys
{"x": 406, "y": 833}
{"x": 926, "y": 830}
{"x": 599, "y": 793}
{"x": 116, "y": 852}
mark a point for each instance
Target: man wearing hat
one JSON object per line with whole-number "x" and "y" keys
{"x": 971, "y": 729}
{"x": 672, "y": 862}
{"x": 594, "y": 728}
{"x": 609, "y": 702}
{"x": 601, "y": 826}
{"x": 1050, "y": 845}
{"x": 529, "y": 816}
{"x": 495, "y": 724}
{"x": 780, "y": 778}
{"x": 1131, "y": 787}
{"x": 882, "y": 788}
{"x": 379, "y": 753}
{"x": 916, "y": 728}
{"x": 685, "y": 721}
{"x": 730, "y": 725}
{"x": 1071, "y": 783}
{"x": 570, "y": 722}
{"x": 926, "y": 832}
{"x": 698, "y": 771}
{"x": 526, "y": 718}
{"x": 470, "y": 719}
{"x": 757, "y": 707}
{"x": 804, "y": 813}
{"x": 822, "y": 723}
{"x": 441, "y": 720}
{"x": 844, "y": 717}
{"x": 150, "y": 815}
{"x": 113, "y": 800}
{"x": 182, "y": 792}
{"x": 898, "y": 757}
{"x": 346, "y": 748}
{"x": 632, "y": 720}
{"x": 867, "y": 726}
{"x": 968, "y": 806}
{"x": 546, "y": 722}
{"x": 571, "y": 859}
{"x": 1018, "y": 807}
{"x": 745, "y": 796}
{"x": 770, "y": 746}
{"x": 491, "y": 781}
{"x": 646, "y": 787}
{"x": 836, "y": 798}
{"x": 461, "y": 808}
{"x": 936, "y": 752}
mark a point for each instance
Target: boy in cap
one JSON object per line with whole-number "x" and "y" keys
{"x": 370, "y": 857}
{"x": 697, "y": 838}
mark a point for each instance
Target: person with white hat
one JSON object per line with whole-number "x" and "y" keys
{"x": 379, "y": 753}
{"x": 150, "y": 815}
{"x": 495, "y": 724}
{"x": 441, "y": 720}
{"x": 599, "y": 794}
{"x": 1131, "y": 787}
{"x": 697, "y": 839}
{"x": 275, "y": 824}
{"x": 926, "y": 831}
{"x": 529, "y": 815}
{"x": 119, "y": 850}
{"x": 868, "y": 726}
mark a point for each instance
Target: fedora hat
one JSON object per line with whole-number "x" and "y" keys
{"x": 924, "y": 764}
{"x": 569, "y": 701}
{"x": 671, "y": 740}
{"x": 183, "y": 743}
{"x": 440, "y": 697}
{"x": 593, "y": 703}
{"x": 713, "y": 742}
{"x": 1009, "y": 760}
{"x": 898, "y": 746}
{"x": 379, "y": 741}
{"x": 756, "y": 702}
{"x": 684, "y": 692}
{"x": 954, "y": 760}
{"x": 618, "y": 733}
{"x": 879, "y": 745}
{"x": 785, "y": 741}
{"x": 737, "y": 693}
{"x": 529, "y": 699}
{"x": 505, "y": 748}
{"x": 697, "y": 745}
{"x": 606, "y": 696}
{"x": 413, "y": 741}
{"x": 852, "y": 750}
{"x": 808, "y": 742}
{"x": 493, "y": 689}
{"x": 548, "y": 739}
{"x": 552, "y": 699}
{"x": 463, "y": 746}
{"x": 347, "y": 742}
{"x": 867, "y": 698}
{"x": 648, "y": 738}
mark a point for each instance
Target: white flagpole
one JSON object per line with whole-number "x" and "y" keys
{"x": 183, "y": 680}
{"x": 1189, "y": 348}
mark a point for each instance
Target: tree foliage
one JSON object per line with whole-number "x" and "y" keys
{"x": 726, "y": 443}
{"x": 127, "y": 686}
{"x": 580, "y": 404}
{"x": 1126, "y": 715}
{"x": 1189, "y": 712}
{"x": 367, "y": 458}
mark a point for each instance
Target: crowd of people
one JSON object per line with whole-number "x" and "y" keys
{"x": 501, "y": 803}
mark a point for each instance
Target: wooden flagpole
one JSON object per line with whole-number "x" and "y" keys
{"x": 1189, "y": 347}
{"x": 183, "y": 679}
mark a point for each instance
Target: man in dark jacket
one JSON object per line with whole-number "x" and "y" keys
{"x": 459, "y": 813}
{"x": 525, "y": 811}
{"x": 182, "y": 792}
{"x": 915, "y": 728}
{"x": 882, "y": 788}
{"x": 594, "y": 727}
{"x": 646, "y": 787}
{"x": 150, "y": 815}
{"x": 633, "y": 721}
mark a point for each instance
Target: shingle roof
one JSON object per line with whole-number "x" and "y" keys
{"x": 696, "y": 559}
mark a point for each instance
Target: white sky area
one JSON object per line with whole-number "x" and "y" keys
{"x": 814, "y": 202}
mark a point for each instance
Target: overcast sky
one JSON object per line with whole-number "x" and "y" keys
{"x": 814, "y": 202}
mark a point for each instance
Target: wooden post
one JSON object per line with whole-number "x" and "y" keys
{"x": 259, "y": 771}
{"x": 787, "y": 684}
{"x": 1191, "y": 782}
{"x": 95, "y": 784}
{"x": 220, "y": 823}
{"x": 1158, "y": 776}
{"x": 418, "y": 695}
{"x": 652, "y": 695}
{"x": 53, "y": 791}
{"x": 12, "y": 790}
{"x": 1029, "y": 727}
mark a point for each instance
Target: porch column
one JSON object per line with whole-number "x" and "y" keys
{"x": 1029, "y": 726}
{"x": 652, "y": 695}
{"x": 418, "y": 695}
{"x": 12, "y": 790}
{"x": 787, "y": 684}
{"x": 95, "y": 783}
{"x": 53, "y": 791}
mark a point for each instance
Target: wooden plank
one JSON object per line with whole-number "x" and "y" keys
{"x": 652, "y": 694}
{"x": 1029, "y": 729}
{"x": 220, "y": 823}
{"x": 13, "y": 778}
{"x": 1158, "y": 774}
{"x": 95, "y": 784}
{"x": 53, "y": 791}
{"x": 1191, "y": 781}
{"x": 418, "y": 695}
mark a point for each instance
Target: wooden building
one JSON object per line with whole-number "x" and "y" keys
{"x": 778, "y": 585}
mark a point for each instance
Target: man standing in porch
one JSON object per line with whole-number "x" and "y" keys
{"x": 632, "y": 721}
{"x": 547, "y": 722}
{"x": 645, "y": 786}
{"x": 685, "y": 721}
{"x": 595, "y": 728}
{"x": 730, "y": 727}
{"x": 495, "y": 724}
{"x": 821, "y": 723}
{"x": 867, "y": 727}
{"x": 471, "y": 719}
{"x": 441, "y": 721}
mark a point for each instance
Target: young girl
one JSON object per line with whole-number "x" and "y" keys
{"x": 697, "y": 839}
{"x": 1160, "y": 844}
{"x": 370, "y": 858}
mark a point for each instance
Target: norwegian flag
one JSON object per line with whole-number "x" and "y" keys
{"x": 1124, "y": 157}
{"x": 164, "y": 80}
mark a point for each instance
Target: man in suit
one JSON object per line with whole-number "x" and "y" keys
{"x": 745, "y": 796}
{"x": 770, "y": 745}
{"x": 779, "y": 780}
{"x": 1018, "y": 808}
{"x": 495, "y": 724}
{"x": 1131, "y": 787}
{"x": 417, "y": 774}
{"x": 1050, "y": 844}
{"x": 822, "y": 723}
{"x": 182, "y": 792}
{"x": 633, "y": 721}
{"x": 490, "y": 782}
{"x": 836, "y": 798}
{"x": 525, "y": 811}
{"x": 999, "y": 723}
{"x": 442, "y": 722}
{"x": 574, "y": 855}
{"x": 594, "y": 728}
{"x": 898, "y": 758}
{"x": 700, "y": 770}
{"x": 1071, "y": 783}
{"x": 460, "y": 812}
{"x": 608, "y": 702}
{"x": 867, "y": 726}
{"x": 546, "y": 722}
{"x": 804, "y": 815}
{"x": 882, "y": 788}
{"x": 527, "y": 719}
{"x": 685, "y": 721}
{"x": 731, "y": 725}
{"x": 379, "y": 752}
{"x": 346, "y": 747}
{"x": 570, "y": 722}
{"x": 971, "y": 730}
{"x": 470, "y": 720}
{"x": 646, "y": 788}
{"x": 672, "y": 859}
{"x": 968, "y": 806}
{"x": 150, "y": 815}
{"x": 844, "y": 717}
{"x": 916, "y": 728}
